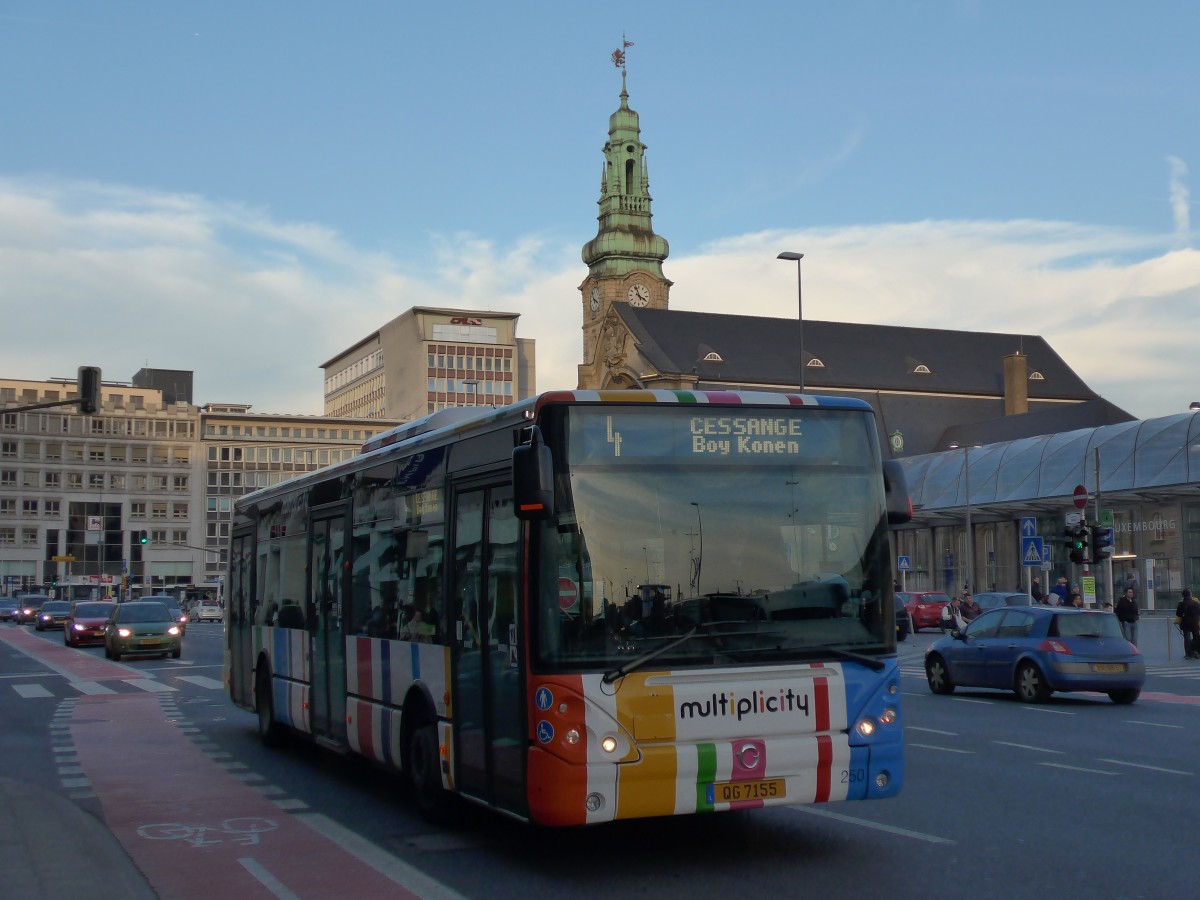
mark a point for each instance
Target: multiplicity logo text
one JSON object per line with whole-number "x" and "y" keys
{"x": 739, "y": 706}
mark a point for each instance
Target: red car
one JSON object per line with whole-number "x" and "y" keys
{"x": 85, "y": 625}
{"x": 924, "y": 608}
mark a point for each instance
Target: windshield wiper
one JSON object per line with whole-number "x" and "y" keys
{"x": 873, "y": 661}
{"x": 624, "y": 669}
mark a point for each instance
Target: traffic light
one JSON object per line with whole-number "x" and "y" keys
{"x": 1102, "y": 544}
{"x": 1078, "y": 544}
{"x": 87, "y": 386}
{"x": 143, "y": 537}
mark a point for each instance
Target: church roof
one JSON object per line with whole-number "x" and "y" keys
{"x": 842, "y": 355}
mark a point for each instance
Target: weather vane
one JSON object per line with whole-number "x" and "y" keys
{"x": 618, "y": 55}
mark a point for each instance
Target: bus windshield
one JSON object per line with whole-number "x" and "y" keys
{"x": 759, "y": 534}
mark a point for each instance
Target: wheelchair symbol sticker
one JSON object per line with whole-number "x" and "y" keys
{"x": 545, "y": 731}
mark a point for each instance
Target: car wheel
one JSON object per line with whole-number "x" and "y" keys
{"x": 270, "y": 732}
{"x": 175, "y": 654}
{"x": 938, "y": 675}
{"x": 1031, "y": 684}
{"x": 107, "y": 652}
{"x": 1124, "y": 696}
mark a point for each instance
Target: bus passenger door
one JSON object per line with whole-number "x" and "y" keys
{"x": 488, "y": 712}
{"x": 327, "y": 593}
{"x": 239, "y": 628}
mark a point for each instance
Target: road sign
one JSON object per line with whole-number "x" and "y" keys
{"x": 62, "y": 559}
{"x": 1031, "y": 551}
{"x": 1028, "y": 527}
{"x": 904, "y": 563}
{"x": 1081, "y": 496}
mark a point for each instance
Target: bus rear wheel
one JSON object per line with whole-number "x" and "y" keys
{"x": 425, "y": 774}
{"x": 270, "y": 732}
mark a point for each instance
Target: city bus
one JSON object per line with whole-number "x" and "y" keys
{"x": 587, "y": 606}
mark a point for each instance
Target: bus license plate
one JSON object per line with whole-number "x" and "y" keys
{"x": 1109, "y": 667}
{"x": 736, "y": 791}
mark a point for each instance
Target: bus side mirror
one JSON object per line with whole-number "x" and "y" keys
{"x": 895, "y": 489}
{"x": 533, "y": 478}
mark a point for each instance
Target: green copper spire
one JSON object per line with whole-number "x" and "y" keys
{"x": 625, "y": 241}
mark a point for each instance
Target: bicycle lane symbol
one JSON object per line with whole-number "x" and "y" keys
{"x": 240, "y": 831}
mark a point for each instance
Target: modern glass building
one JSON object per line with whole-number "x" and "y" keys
{"x": 1149, "y": 479}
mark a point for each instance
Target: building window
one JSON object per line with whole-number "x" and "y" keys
{"x": 8, "y": 449}
{"x": 137, "y": 510}
{"x": 179, "y": 536}
{"x": 96, "y": 480}
{"x": 54, "y": 451}
{"x": 157, "y": 536}
{"x": 29, "y": 537}
{"x": 8, "y": 506}
{"x": 139, "y": 482}
{"x": 179, "y": 483}
{"x": 158, "y": 482}
{"x": 51, "y": 480}
{"x": 179, "y": 511}
{"x": 75, "y": 480}
{"x": 158, "y": 510}
{"x": 116, "y": 482}
{"x": 8, "y": 536}
{"x": 29, "y": 507}
{"x": 95, "y": 454}
{"x": 51, "y": 507}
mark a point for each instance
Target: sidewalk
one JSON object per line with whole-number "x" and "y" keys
{"x": 54, "y": 850}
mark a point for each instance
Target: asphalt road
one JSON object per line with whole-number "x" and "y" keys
{"x": 1077, "y": 797}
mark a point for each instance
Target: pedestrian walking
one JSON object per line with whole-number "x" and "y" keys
{"x": 1127, "y": 614}
{"x": 1036, "y": 591}
{"x": 1187, "y": 617}
{"x": 1058, "y": 593}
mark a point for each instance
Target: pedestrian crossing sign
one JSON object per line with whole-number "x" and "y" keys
{"x": 1031, "y": 551}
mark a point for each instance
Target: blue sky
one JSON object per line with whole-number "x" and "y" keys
{"x": 245, "y": 189}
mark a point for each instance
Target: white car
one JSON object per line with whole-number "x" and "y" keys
{"x": 209, "y": 613}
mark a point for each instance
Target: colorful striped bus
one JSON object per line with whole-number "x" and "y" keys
{"x": 587, "y": 606}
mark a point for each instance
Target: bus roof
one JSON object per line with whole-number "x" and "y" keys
{"x": 441, "y": 426}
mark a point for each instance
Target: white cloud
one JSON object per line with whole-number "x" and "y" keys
{"x": 1181, "y": 206}
{"x": 97, "y": 275}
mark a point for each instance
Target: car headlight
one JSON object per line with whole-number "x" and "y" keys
{"x": 124, "y": 632}
{"x": 78, "y": 627}
{"x": 174, "y": 629}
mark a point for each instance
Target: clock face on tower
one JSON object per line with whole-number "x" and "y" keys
{"x": 595, "y": 302}
{"x": 639, "y": 295}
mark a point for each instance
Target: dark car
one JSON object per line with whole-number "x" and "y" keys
{"x": 1035, "y": 650}
{"x": 31, "y": 605}
{"x": 85, "y": 625}
{"x": 9, "y": 610}
{"x": 53, "y": 614}
{"x": 924, "y": 608}
{"x": 902, "y": 620}
{"x": 181, "y": 618}
{"x": 996, "y": 599}
{"x": 141, "y": 628}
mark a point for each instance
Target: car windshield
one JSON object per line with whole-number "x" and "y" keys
{"x": 92, "y": 610}
{"x": 56, "y": 606}
{"x": 143, "y": 612}
{"x": 1094, "y": 624}
{"x": 8, "y": 604}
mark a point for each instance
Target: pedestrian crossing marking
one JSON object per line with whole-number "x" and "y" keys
{"x": 91, "y": 687}
{"x": 149, "y": 684}
{"x": 30, "y": 691}
{"x": 202, "y": 681}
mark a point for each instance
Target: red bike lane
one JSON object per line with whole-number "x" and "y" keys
{"x": 191, "y": 827}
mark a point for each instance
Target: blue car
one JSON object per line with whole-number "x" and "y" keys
{"x": 1036, "y": 650}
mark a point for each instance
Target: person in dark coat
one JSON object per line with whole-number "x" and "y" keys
{"x": 1127, "y": 614}
{"x": 1036, "y": 592}
{"x": 1187, "y": 616}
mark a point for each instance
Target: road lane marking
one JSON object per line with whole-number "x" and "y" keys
{"x": 202, "y": 681}
{"x": 1121, "y": 762}
{"x": 149, "y": 684}
{"x": 1027, "y": 747}
{"x": 31, "y": 691}
{"x": 867, "y": 823}
{"x": 1077, "y": 768}
{"x": 1155, "y": 724}
{"x": 266, "y": 879}
{"x": 380, "y": 860}
{"x": 969, "y": 700}
{"x": 936, "y": 747}
{"x": 1046, "y": 709}
{"x": 931, "y": 730}
{"x": 91, "y": 687}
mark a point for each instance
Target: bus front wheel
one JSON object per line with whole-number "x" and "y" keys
{"x": 425, "y": 773}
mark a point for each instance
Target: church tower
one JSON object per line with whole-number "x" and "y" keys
{"x": 625, "y": 257}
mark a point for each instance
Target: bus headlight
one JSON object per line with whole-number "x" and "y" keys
{"x": 866, "y": 727}
{"x": 608, "y": 744}
{"x": 889, "y": 716}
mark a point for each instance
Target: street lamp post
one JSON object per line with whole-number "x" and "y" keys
{"x": 967, "y": 490}
{"x": 700, "y": 558}
{"x": 799, "y": 308}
